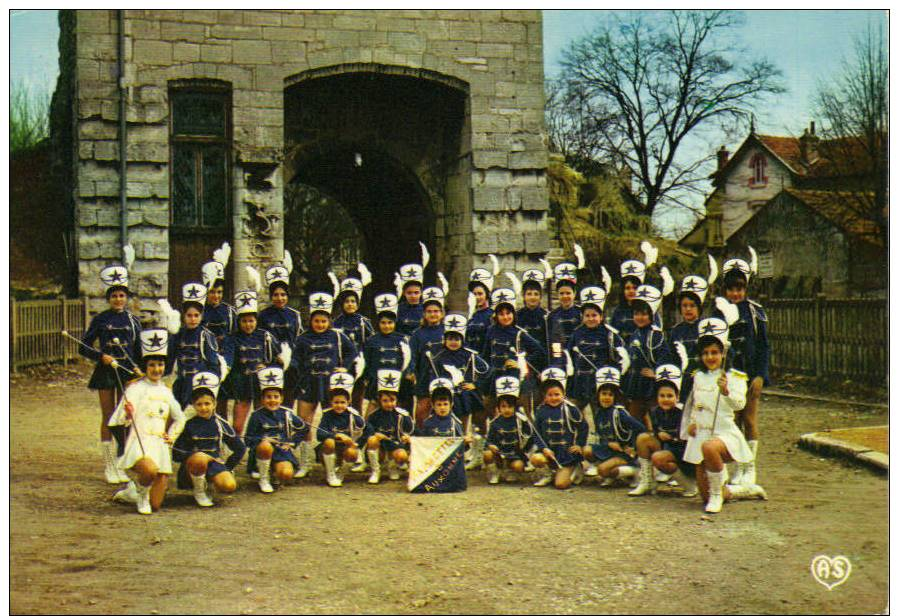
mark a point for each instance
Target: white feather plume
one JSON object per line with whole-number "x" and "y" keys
{"x": 667, "y": 281}
{"x": 128, "y": 251}
{"x": 682, "y": 353}
{"x": 753, "y": 261}
{"x": 495, "y": 261}
{"x": 171, "y": 318}
{"x": 223, "y": 366}
{"x": 516, "y": 283}
{"x": 606, "y": 280}
{"x": 713, "y": 270}
{"x": 547, "y": 269}
{"x": 456, "y": 375}
{"x": 522, "y": 361}
{"x": 472, "y": 304}
{"x": 398, "y": 284}
{"x": 364, "y": 274}
{"x": 624, "y": 358}
{"x": 730, "y": 311}
{"x": 334, "y": 283}
{"x": 569, "y": 364}
{"x": 223, "y": 254}
{"x": 254, "y": 278}
{"x": 579, "y": 255}
{"x": 407, "y": 354}
{"x": 359, "y": 366}
{"x": 288, "y": 261}
{"x": 650, "y": 253}
{"x": 285, "y": 355}
{"x": 425, "y": 255}
{"x": 444, "y": 283}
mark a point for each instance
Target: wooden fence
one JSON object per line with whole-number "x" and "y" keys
{"x": 833, "y": 338}
{"x": 35, "y": 328}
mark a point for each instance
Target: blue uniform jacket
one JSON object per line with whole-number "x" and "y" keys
{"x": 533, "y": 321}
{"x": 408, "y": 317}
{"x": 191, "y": 351}
{"x": 513, "y": 436}
{"x": 317, "y": 356}
{"x": 435, "y": 425}
{"x": 597, "y": 345}
{"x": 350, "y": 422}
{"x": 356, "y": 327}
{"x": 282, "y": 427}
{"x": 560, "y": 427}
{"x": 561, "y": 323}
{"x": 285, "y": 324}
{"x": 614, "y": 425}
{"x": 392, "y": 424}
{"x": 647, "y": 349}
{"x": 476, "y": 330}
{"x": 465, "y": 402}
{"x": 221, "y": 320}
{"x": 686, "y": 333}
{"x": 108, "y": 325}
{"x": 748, "y": 337}
{"x": 622, "y": 319}
{"x": 502, "y": 344}
{"x": 244, "y": 353}
{"x": 425, "y": 339}
{"x": 208, "y": 436}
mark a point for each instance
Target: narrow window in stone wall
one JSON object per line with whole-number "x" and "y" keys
{"x": 200, "y": 172}
{"x": 757, "y": 164}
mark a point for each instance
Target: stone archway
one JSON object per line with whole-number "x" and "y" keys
{"x": 389, "y": 144}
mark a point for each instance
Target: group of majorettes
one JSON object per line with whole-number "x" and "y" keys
{"x": 510, "y": 377}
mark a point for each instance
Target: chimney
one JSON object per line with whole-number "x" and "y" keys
{"x": 723, "y": 156}
{"x": 808, "y": 145}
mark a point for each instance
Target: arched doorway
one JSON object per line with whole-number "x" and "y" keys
{"x": 383, "y": 146}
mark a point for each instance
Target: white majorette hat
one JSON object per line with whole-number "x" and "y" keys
{"x": 193, "y": 293}
{"x": 280, "y": 274}
{"x": 633, "y": 269}
{"x": 386, "y": 303}
{"x": 535, "y": 278}
{"x": 245, "y": 302}
{"x": 567, "y": 272}
{"x": 116, "y": 276}
{"x": 321, "y": 302}
{"x": 712, "y": 327}
{"x": 351, "y": 285}
{"x": 271, "y": 378}
{"x": 414, "y": 273}
{"x": 608, "y": 376}
{"x": 154, "y": 342}
{"x": 503, "y": 296}
{"x": 696, "y": 286}
{"x": 440, "y": 383}
{"x": 650, "y": 295}
{"x": 669, "y": 373}
{"x": 455, "y": 323}
{"x": 508, "y": 386}
{"x": 593, "y": 296}
{"x": 432, "y": 295}
{"x": 553, "y": 375}
{"x": 341, "y": 381}
{"x": 483, "y": 276}
{"x": 214, "y": 270}
{"x": 739, "y": 266}
{"x": 206, "y": 380}
{"x": 389, "y": 380}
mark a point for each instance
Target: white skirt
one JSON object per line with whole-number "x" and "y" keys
{"x": 729, "y": 434}
{"x": 154, "y": 447}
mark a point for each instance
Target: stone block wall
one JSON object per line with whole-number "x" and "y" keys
{"x": 500, "y": 182}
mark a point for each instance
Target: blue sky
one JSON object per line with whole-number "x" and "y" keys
{"x": 807, "y": 45}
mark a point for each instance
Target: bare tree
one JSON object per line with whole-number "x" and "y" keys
{"x": 660, "y": 78}
{"x": 855, "y": 109}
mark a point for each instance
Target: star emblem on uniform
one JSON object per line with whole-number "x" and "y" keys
{"x": 431, "y": 293}
{"x": 385, "y": 302}
{"x": 630, "y": 269}
{"x": 193, "y": 291}
{"x": 690, "y": 283}
{"x": 501, "y": 297}
{"x": 454, "y": 322}
{"x": 566, "y": 271}
{"x": 319, "y": 302}
{"x": 477, "y": 276}
{"x": 709, "y": 328}
{"x": 156, "y": 340}
{"x": 202, "y": 380}
{"x": 643, "y": 293}
{"x": 271, "y": 377}
{"x": 608, "y": 374}
{"x": 590, "y": 295}
{"x": 245, "y": 300}
{"x": 506, "y": 384}
{"x": 664, "y": 374}
{"x": 278, "y": 272}
{"x": 116, "y": 276}
{"x": 410, "y": 272}
{"x": 531, "y": 276}
{"x": 340, "y": 380}
{"x": 389, "y": 381}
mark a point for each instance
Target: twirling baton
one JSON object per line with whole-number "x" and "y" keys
{"x": 133, "y": 422}
{"x": 114, "y": 363}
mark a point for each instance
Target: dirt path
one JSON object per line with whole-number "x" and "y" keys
{"x": 509, "y": 548}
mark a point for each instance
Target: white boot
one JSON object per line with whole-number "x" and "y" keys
{"x": 128, "y": 494}
{"x": 143, "y": 499}
{"x": 745, "y": 492}
{"x": 342, "y": 470}
{"x": 477, "y": 453}
{"x": 200, "y": 495}
{"x": 591, "y": 471}
{"x": 686, "y": 483}
{"x": 734, "y": 473}
{"x": 375, "y": 465}
{"x": 360, "y": 466}
{"x": 265, "y": 482}
{"x": 626, "y": 473}
{"x": 303, "y": 467}
{"x": 544, "y": 476}
{"x": 647, "y": 483}
{"x": 393, "y": 470}
{"x": 577, "y": 474}
{"x": 109, "y": 460}
{"x": 748, "y": 478}
{"x": 492, "y": 473}
{"x": 716, "y": 500}
{"x": 330, "y": 461}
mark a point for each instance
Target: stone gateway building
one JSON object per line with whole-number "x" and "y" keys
{"x": 424, "y": 125}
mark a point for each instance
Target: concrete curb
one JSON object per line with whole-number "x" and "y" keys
{"x": 822, "y": 442}
{"x": 785, "y": 394}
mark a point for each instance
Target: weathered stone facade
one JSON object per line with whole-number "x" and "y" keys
{"x": 490, "y": 197}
